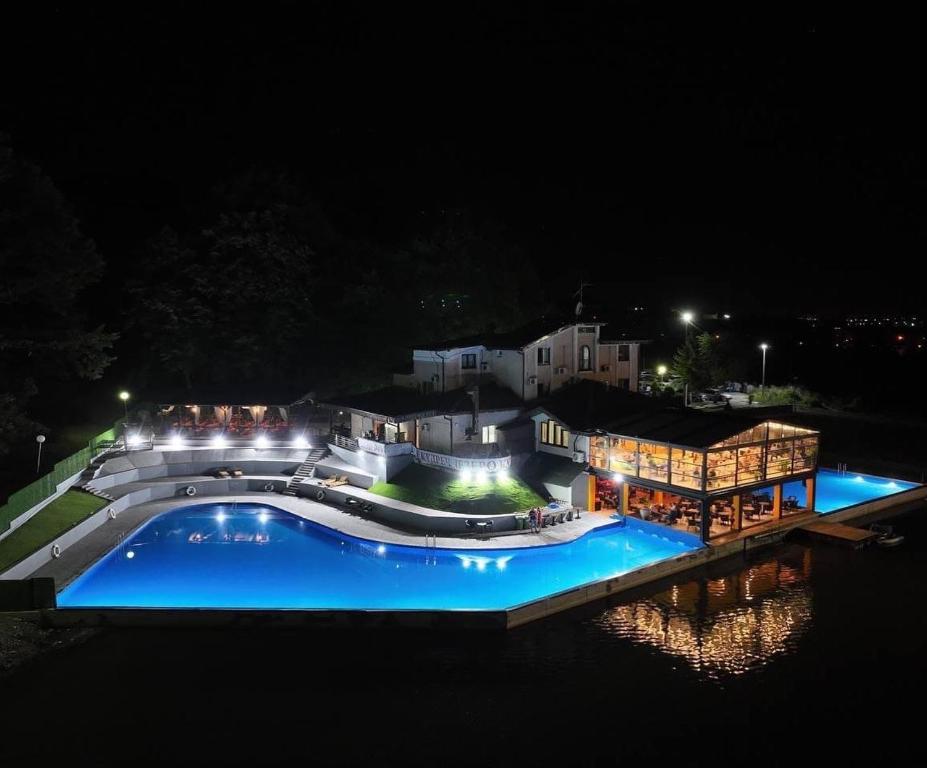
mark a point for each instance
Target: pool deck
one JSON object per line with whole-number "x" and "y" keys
{"x": 78, "y": 557}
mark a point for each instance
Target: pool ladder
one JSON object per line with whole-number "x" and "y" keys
{"x": 431, "y": 549}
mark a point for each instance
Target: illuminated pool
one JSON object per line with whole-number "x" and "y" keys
{"x": 836, "y": 490}
{"x": 257, "y": 556}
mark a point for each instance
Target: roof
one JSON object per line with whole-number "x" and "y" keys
{"x": 587, "y": 406}
{"x": 403, "y": 403}
{"x": 544, "y": 467}
{"x": 519, "y": 338}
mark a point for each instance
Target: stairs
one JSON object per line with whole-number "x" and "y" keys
{"x": 305, "y": 470}
{"x": 86, "y": 478}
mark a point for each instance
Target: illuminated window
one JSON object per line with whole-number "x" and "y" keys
{"x": 585, "y": 358}
{"x": 489, "y": 434}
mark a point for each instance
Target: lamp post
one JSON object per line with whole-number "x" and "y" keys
{"x": 764, "y": 347}
{"x": 661, "y": 372}
{"x": 124, "y": 396}
{"x": 687, "y": 318}
{"x": 38, "y": 462}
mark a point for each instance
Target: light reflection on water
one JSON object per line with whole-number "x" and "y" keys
{"x": 725, "y": 625}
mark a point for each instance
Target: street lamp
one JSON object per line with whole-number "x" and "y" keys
{"x": 764, "y": 347}
{"x": 124, "y": 396}
{"x": 38, "y": 462}
{"x": 661, "y": 372}
{"x": 687, "y": 318}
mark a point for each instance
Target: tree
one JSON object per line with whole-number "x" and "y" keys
{"x": 696, "y": 362}
{"x": 47, "y": 265}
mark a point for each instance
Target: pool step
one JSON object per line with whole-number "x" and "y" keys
{"x": 305, "y": 470}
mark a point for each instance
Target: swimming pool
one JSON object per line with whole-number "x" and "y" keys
{"x": 836, "y": 490}
{"x": 260, "y": 557}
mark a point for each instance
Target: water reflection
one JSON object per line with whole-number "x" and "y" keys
{"x": 725, "y": 625}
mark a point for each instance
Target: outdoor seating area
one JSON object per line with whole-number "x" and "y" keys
{"x": 235, "y": 421}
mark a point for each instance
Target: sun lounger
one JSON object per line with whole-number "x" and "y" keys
{"x": 222, "y": 472}
{"x": 237, "y": 472}
{"x": 331, "y": 482}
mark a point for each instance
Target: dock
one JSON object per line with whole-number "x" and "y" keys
{"x": 838, "y": 533}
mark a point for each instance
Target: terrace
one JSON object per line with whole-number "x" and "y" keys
{"x": 695, "y": 471}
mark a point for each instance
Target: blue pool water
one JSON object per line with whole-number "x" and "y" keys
{"x": 836, "y": 490}
{"x": 256, "y": 556}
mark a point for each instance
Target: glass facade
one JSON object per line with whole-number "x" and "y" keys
{"x": 742, "y": 459}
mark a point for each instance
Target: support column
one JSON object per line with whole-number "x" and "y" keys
{"x": 810, "y": 492}
{"x": 777, "y": 501}
{"x": 590, "y": 493}
{"x": 735, "y": 505}
{"x": 658, "y": 497}
{"x": 706, "y": 520}
{"x": 625, "y": 496}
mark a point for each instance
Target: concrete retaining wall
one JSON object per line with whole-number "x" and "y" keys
{"x": 411, "y": 517}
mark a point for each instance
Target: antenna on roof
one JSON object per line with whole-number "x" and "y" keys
{"x": 579, "y": 304}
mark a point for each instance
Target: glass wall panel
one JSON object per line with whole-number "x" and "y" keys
{"x": 686, "y": 468}
{"x": 806, "y": 454}
{"x": 598, "y": 452}
{"x": 749, "y": 464}
{"x": 779, "y": 458}
{"x": 722, "y": 469}
{"x": 624, "y": 456}
{"x": 654, "y": 462}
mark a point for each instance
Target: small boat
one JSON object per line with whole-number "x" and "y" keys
{"x": 887, "y": 535}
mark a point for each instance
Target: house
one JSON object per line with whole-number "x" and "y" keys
{"x": 531, "y": 362}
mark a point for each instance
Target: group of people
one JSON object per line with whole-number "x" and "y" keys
{"x": 535, "y": 519}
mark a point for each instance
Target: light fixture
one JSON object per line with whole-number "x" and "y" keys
{"x": 177, "y": 441}
{"x": 661, "y": 370}
{"x": 502, "y": 476}
{"x": 130, "y": 554}
{"x": 687, "y": 317}
{"x": 301, "y": 443}
{"x": 481, "y": 477}
{"x": 261, "y": 442}
{"x": 618, "y": 477}
{"x": 135, "y": 439}
{"x": 220, "y": 518}
{"x": 124, "y": 395}
{"x": 219, "y": 441}
{"x": 465, "y": 475}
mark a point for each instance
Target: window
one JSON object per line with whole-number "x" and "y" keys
{"x": 553, "y": 433}
{"x": 489, "y": 434}
{"x": 585, "y": 358}
{"x": 468, "y": 360}
{"x": 543, "y": 355}
{"x": 624, "y": 353}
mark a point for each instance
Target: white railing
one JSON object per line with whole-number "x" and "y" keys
{"x": 384, "y": 449}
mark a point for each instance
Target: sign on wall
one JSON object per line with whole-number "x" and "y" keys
{"x": 444, "y": 461}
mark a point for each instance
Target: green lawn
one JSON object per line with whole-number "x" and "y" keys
{"x": 63, "y": 513}
{"x": 442, "y": 490}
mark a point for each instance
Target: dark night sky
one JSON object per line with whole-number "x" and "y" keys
{"x": 713, "y": 154}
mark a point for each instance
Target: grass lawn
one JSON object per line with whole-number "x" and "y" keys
{"x": 442, "y": 490}
{"x": 63, "y": 513}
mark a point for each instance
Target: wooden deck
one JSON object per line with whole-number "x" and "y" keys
{"x": 838, "y": 533}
